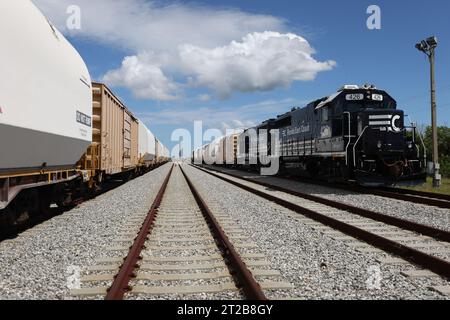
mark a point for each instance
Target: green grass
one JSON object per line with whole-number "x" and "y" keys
{"x": 428, "y": 187}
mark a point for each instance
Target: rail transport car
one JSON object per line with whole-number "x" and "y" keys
{"x": 226, "y": 150}
{"x": 115, "y": 134}
{"x": 231, "y": 155}
{"x": 212, "y": 154}
{"x": 162, "y": 153}
{"x": 61, "y": 136}
{"x": 197, "y": 156}
{"x": 45, "y": 110}
{"x": 147, "y": 148}
{"x": 166, "y": 153}
{"x": 220, "y": 152}
{"x": 355, "y": 135}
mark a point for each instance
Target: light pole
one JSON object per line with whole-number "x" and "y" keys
{"x": 428, "y": 47}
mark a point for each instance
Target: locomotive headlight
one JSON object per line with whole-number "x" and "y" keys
{"x": 379, "y": 144}
{"x": 410, "y": 145}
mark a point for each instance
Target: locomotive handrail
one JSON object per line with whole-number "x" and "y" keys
{"x": 354, "y": 147}
{"x": 424, "y": 149}
{"x": 421, "y": 140}
{"x": 349, "y": 136}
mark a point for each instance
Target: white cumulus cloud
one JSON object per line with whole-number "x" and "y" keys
{"x": 225, "y": 50}
{"x": 260, "y": 62}
{"x": 144, "y": 77}
{"x": 159, "y": 26}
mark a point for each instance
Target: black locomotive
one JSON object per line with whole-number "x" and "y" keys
{"x": 356, "y": 134}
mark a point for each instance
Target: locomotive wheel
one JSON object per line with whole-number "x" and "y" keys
{"x": 396, "y": 171}
{"x": 313, "y": 169}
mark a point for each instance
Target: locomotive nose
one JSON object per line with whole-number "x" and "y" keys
{"x": 384, "y": 121}
{"x": 382, "y": 130}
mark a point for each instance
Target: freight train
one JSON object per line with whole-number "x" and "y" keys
{"x": 61, "y": 135}
{"x": 355, "y": 135}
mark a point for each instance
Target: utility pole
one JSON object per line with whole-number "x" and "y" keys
{"x": 428, "y": 46}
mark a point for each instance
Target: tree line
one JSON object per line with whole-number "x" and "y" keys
{"x": 444, "y": 147}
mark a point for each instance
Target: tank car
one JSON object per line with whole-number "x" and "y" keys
{"x": 60, "y": 134}
{"x": 45, "y": 110}
{"x": 147, "y": 148}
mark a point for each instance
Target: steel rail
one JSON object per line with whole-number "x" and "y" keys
{"x": 434, "y": 264}
{"x": 239, "y": 270}
{"x": 441, "y": 201}
{"x": 424, "y": 194}
{"x": 435, "y": 233}
{"x": 120, "y": 285}
{"x": 413, "y": 196}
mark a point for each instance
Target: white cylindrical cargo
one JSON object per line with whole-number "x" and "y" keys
{"x": 151, "y": 141}
{"x": 147, "y": 148}
{"x": 142, "y": 141}
{"x": 45, "y": 93}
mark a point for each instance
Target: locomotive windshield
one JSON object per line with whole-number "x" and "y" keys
{"x": 354, "y": 106}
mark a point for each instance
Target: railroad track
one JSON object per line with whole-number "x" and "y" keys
{"x": 365, "y": 230}
{"x": 428, "y": 198}
{"x": 182, "y": 250}
{"x": 54, "y": 211}
{"x": 420, "y": 197}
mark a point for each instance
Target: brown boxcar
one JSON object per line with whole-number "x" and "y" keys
{"x": 114, "y": 148}
{"x": 231, "y": 149}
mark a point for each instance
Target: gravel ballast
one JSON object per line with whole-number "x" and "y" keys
{"x": 424, "y": 214}
{"x": 40, "y": 262}
{"x": 319, "y": 266}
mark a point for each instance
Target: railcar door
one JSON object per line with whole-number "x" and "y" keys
{"x": 127, "y": 140}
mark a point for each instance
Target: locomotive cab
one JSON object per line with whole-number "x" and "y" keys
{"x": 378, "y": 148}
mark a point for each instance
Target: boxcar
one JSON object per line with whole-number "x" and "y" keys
{"x": 114, "y": 148}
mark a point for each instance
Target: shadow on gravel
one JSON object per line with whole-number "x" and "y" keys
{"x": 13, "y": 232}
{"x": 300, "y": 184}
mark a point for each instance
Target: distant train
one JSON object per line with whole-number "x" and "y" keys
{"x": 60, "y": 135}
{"x": 356, "y": 135}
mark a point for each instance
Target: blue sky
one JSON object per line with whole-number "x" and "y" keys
{"x": 335, "y": 29}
